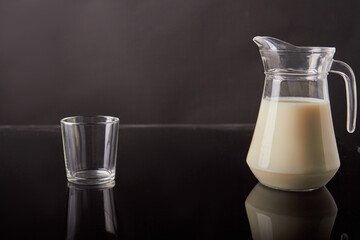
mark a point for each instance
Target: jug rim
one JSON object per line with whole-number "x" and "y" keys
{"x": 303, "y": 50}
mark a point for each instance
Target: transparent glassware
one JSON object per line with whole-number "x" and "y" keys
{"x": 91, "y": 212}
{"x": 293, "y": 146}
{"x": 90, "y": 148}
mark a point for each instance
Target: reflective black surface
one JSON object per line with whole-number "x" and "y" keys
{"x": 172, "y": 182}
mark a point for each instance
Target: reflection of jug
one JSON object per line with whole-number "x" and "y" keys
{"x": 293, "y": 146}
{"x": 275, "y": 214}
{"x": 91, "y": 212}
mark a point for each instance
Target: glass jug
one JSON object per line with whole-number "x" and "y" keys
{"x": 293, "y": 146}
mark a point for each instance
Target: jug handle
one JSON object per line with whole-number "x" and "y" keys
{"x": 348, "y": 75}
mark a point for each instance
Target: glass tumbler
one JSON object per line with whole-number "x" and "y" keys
{"x": 90, "y": 147}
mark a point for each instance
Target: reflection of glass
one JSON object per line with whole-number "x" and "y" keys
{"x": 275, "y": 214}
{"x": 91, "y": 212}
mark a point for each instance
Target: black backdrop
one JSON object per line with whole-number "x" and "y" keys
{"x": 157, "y": 61}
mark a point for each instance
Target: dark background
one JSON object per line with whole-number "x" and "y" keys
{"x": 157, "y": 61}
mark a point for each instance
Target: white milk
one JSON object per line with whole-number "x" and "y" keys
{"x": 293, "y": 145}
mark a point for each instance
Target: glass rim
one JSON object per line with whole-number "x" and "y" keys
{"x": 85, "y": 120}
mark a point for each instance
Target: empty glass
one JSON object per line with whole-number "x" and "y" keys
{"x": 90, "y": 147}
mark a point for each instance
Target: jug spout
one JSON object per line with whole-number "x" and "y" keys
{"x": 269, "y": 43}
{"x": 280, "y": 57}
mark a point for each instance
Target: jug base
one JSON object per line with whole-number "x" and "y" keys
{"x": 293, "y": 182}
{"x": 292, "y": 190}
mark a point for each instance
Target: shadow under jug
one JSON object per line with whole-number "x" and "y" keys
{"x": 279, "y": 215}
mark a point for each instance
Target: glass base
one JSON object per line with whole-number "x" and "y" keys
{"x": 293, "y": 182}
{"x": 91, "y": 177}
